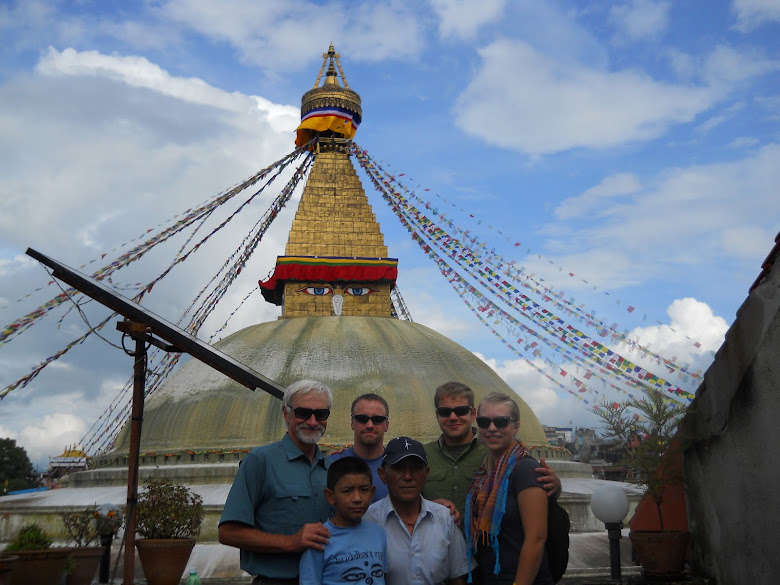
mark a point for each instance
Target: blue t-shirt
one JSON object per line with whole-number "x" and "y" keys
{"x": 374, "y": 464}
{"x": 355, "y": 554}
{"x": 277, "y": 490}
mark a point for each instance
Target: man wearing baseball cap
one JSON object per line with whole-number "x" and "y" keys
{"x": 424, "y": 545}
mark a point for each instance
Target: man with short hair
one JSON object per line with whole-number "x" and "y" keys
{"x": 370, "y": 421}
{"x": 424, "y": 545}
{"x": 458, "y": 454}
{"x": 276, "y": 507}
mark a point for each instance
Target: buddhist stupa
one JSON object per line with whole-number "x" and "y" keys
{"x": 337, "y": 323}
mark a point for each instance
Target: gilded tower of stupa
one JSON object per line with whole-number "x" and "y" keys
{"x": 335, "y": 262}
{"x": 334, "y": 285}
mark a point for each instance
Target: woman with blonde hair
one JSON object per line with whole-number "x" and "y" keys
{"x": 506, "y": 509}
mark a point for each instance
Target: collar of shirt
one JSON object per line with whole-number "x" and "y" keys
{"x": 386, "y": 508}
{"x": 293, "y": 451}
{"x": 443, "y": 445}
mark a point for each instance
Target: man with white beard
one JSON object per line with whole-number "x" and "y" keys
{"x": 276, "y": 507}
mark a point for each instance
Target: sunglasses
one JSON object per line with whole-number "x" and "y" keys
{"x": 445, "y": 411}
{"x": 377, "y": 419}
{"x": 483, "y": 422}
{"x": 320, "y": 414}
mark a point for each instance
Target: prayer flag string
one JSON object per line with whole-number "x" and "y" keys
{"x": 561, "y": 337}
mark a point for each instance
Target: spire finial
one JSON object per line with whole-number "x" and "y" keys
{"x": 330, "y": 58}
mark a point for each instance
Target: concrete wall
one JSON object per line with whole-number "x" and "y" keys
{"x": 732, "y": 466}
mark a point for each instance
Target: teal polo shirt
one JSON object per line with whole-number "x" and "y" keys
{"x": 450, "y": 474}
{"x": 277, "y": 490}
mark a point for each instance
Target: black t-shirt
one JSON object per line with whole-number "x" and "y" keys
{"x": 511, "y": 536}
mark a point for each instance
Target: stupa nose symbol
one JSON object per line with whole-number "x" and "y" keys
{"x": 338, "y": 302}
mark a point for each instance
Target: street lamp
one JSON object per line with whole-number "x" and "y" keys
{"x": 109, "y": 521}
{"x": 610, "y": 505}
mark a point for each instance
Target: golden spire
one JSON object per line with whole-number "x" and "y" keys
{"x": 335, "y": 262}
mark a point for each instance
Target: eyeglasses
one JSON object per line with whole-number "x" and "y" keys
{"x": 483, "y": 422}
{"x": 377, "y": 419}
{"x": 445, "y": 411}
{"x": 320, "y": 414}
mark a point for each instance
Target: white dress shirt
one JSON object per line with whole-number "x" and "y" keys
{"x": 434, "y": 552}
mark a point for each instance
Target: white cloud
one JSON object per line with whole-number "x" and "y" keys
{"x": 133, "y": 128}
{"x": 748, "y": 240}
{"x": 753, "y": 13}
{"x": 524, "y": 100}
{"x": 693, "y": 334}
{"x": 743, "y": 142}
{"x": 282, "y": 35}
{"x": 96, "y": 150}
{"x": 640, "y": 20}
{"x": 724, "y": 212}
{"x": 591, "y": 199}
{"x": 140, "y": 73}
{"x": 727, "y": 66}
{"x": 525, "y": 379}
{"x": 49, "y": 436}
{"x": 710, "y": 124}
{"x": 463, "y": 18}
{"x": 7, "y": 433}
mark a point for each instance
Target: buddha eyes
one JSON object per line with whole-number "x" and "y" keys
{"x": 320, "y": 291}
{"x": 317, "y": 291}
{"x": 359, "y": 291}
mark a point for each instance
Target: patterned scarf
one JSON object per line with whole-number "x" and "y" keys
{"x": 486, "y": 502}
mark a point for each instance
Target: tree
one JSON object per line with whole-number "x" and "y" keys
{"x": 647, "y": 437}
{"x": 16, "y": 470}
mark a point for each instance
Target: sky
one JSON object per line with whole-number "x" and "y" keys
{"x": 632, "y": 144}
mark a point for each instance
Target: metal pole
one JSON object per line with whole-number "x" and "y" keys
{"x": 136, "y": 419}
{"x": 105, "y": 560}
{"x": 614, "y": 533}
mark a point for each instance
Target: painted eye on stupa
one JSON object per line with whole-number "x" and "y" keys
{"x": 317, "y": 291}
{"x": 359, "y": 291}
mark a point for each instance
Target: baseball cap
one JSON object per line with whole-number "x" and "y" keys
{"x": 401, "y": 448}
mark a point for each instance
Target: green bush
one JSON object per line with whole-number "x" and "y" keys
{"x": 30, "y": 537}
{"x": 81, "y": 525}
{"x": 168, "y": 510}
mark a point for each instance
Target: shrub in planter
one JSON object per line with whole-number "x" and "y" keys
{"x": 169, "y": 517}
{"x": 30, "y": 537}
{"x": 648, "y": 437}
{"x": 82, "y": 527}
{"x": 37, "y": 562}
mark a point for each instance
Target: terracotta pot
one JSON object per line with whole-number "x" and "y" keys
{"x": 85, "y": 560}
{"x": 661, "y": 553}
{"x": 164, "y": 561}
{"x": 7, "y": 563}
{"x": 43, "y": 567}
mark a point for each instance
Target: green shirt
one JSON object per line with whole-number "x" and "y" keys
{"x": 277, "y": 490}
{"x": 450, "y": 476}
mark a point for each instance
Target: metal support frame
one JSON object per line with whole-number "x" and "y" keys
{"x": 141, "y": 333}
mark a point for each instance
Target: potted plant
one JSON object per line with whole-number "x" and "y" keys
{"x": 82, "y": 527}
{"x": 7, "y": 562}
{"x": 648, "y": 436}
{"x": 169, "y": 517}
{"x": 36, "y": 561}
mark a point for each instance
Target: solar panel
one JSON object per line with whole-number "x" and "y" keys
{"x": 177, "y": 337}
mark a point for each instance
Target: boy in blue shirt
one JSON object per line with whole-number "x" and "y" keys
{"x": 355, "y": 553}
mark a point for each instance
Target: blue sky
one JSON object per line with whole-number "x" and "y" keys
{"x": 634, "y": 144}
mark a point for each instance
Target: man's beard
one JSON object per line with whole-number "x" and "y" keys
{"x": 309, "y": 436}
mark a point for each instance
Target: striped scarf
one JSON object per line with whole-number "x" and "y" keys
{"x": 486, "y": 502}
